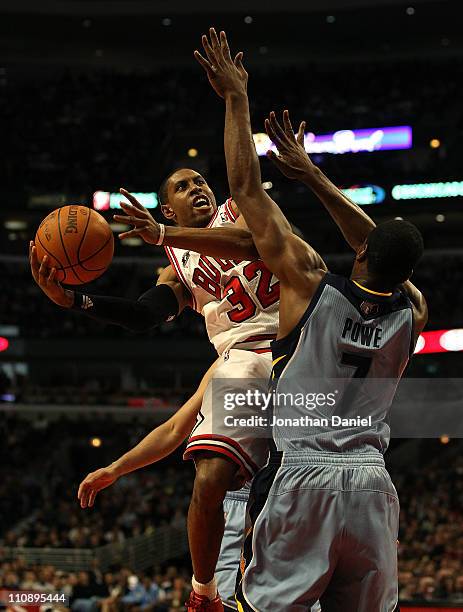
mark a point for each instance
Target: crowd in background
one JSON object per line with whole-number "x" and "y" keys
{"x": 23, "y": 304}
{"x": 74, "y": 133}
{"x": 159, "y": 590}
{"x": 39, "y": 507}
{"x": 72, "y": 136}
{"x": 38, "y": 488}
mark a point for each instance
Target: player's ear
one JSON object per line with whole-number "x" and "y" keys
{"x": 168, "y": 212}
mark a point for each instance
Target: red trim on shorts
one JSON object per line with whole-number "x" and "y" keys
{"x": 232, "y": 443}
{"x": 221, "y": 451}
{"x": 258, "y": 337}
{"x": 181, "y": 277}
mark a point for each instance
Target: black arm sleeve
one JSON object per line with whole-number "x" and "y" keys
{"x": 157, "y": 305}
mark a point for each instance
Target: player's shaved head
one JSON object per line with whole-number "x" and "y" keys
{"x": 393, "y": 250}
{"x": 186, "y": 199}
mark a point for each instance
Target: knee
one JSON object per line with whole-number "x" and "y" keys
{"x": 214, "y": 477}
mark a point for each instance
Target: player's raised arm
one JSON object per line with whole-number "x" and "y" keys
{"x": 158, "y": 304}
{"x": 292, "y": 160}
{"x": 159, "y": 443}
{"x": 231, "y": 242}
{"x": 287, "y": 256}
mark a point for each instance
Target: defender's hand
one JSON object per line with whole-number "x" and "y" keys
{"x": 226, "y": 76}
{"x": 45, "y": 278}
{"x": 137, "y": 215}
{"x": 292, "y": 159}
{"x": 94, "y": 482}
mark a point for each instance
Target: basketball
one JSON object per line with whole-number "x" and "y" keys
{"x": 78, "y": 242}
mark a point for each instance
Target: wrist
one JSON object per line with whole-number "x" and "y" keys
{"x": 236, "y": 95}
{"x": 312, "y": 175}
{"x": 116, "y": 468}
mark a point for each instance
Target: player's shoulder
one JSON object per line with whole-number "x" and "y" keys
{"x": 226, "y": 214}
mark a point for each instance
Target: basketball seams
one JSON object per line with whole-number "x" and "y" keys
{"x": 61, "y": 269}
{"x": 64, "y": 247}
{"x": 83, "y": 234}
{"x": 94, "y": 230}
{"x": 110, "y": 237}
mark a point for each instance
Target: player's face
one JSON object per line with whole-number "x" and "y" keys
{"x": 190, "y": 201}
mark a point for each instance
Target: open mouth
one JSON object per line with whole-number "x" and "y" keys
{"x": 201, "y": 202}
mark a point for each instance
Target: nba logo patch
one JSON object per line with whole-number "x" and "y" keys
{"x": 185, "y": 258}
{"x": 223, "y": 217}
{"x": 369, "y": 309}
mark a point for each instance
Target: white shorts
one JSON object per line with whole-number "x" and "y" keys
{"x": 239, "y": 370}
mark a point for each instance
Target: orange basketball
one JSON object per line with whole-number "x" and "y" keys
{"x": 78, "y": 242}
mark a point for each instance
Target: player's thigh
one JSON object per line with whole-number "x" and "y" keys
{"x": 366, "y": 576}
{"x": 219, "y": 427}
{"x": 292, "y": 554}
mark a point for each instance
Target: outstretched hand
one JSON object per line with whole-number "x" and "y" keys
{"x": 94, "y": 482}
{"x": 292, "y": 159}
{"x": 226, "y": 75}
{"x": 137, "y": 215}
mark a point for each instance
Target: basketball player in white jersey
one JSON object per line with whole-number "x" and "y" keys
{"x": 238, "y": 297}
{"x": 324, "y": 510}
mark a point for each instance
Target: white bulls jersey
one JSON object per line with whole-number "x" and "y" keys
{"x": 238, "y": 299}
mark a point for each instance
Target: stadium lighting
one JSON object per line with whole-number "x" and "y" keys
{"x": 421, "y": 191}
{"x": 95, "y": 442}
{"x": 365, "y": 194}
{"x": 444, "y": 439}
{"x": 104, "y": 200}
{"x": 348, "y": 141}
{"x": 4, "y": 344}
{"x": 441, "y": 341}
{"x": 434, "y": 143}
{"x": 193, "y": 152}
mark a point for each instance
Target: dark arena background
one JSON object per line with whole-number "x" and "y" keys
{"x": 95, "y": 95}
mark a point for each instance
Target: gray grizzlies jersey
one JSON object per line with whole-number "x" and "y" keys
{"x": 335, "y": 375}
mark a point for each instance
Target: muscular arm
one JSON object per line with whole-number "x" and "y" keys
{"x": 225, "y": 242}
{"x": 353, "y": 222}
{"x": 231, "y": 242}
{"x": 420, "y": 308}
{"x": 159, "y": 443}
{"x": 163, "y": 440}
{"x": 156, "y": 305}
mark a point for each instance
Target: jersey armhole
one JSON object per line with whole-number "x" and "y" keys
{"x": 181, "y": 277}
{"x": 231, "y": 214}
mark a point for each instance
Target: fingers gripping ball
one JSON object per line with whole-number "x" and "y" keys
{"x": 78, "y": 241}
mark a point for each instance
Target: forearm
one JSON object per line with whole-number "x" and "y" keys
{"x": 353, "y": 222}
{"x": 261, "y": 214}
{"x": 158, "y": 444}
{"x": 151, "y": 308}
{"x": 225, "y": 243}
{"x": 166, "y": 438}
